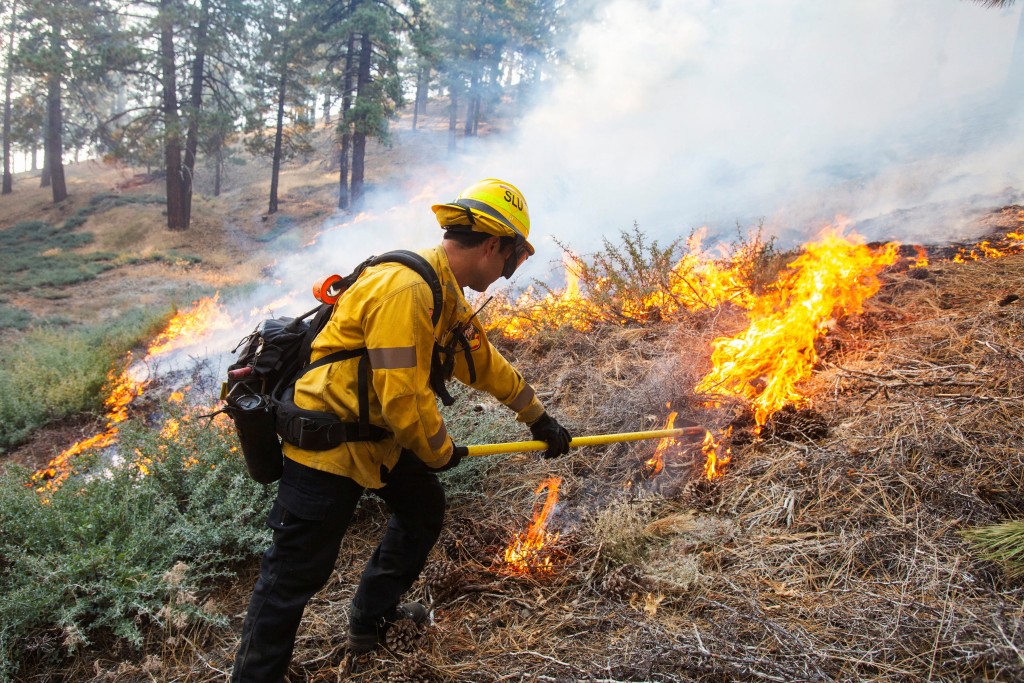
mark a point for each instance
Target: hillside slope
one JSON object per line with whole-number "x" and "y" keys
{"x": 829, "y": 550}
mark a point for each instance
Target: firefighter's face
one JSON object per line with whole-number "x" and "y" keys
{"x": 490, "y": 265}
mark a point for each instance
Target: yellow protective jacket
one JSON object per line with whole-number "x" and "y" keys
{"x": 388, "y": 312}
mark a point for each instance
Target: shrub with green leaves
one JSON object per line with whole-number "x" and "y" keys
{"x": 38, "y": 254}
{"x": 130, "y": 547}
{"x": 51, "y": 372}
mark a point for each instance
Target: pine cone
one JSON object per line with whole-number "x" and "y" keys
{"x": 792, "y": 424}
{"x": 412, "y": 669}
{"x": 405, "y": 635}
{"x": 621, "y": 581}
{"x": 458, "y": 534}
{"x": 442, "y": 580}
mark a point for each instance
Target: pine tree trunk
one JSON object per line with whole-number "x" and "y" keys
{"x": 195, "y": 106}
{"x": 359, "y": 134}
{"x": 8, "y": 180}
{"x": 44, "y": 176}
{"x": 172, "y": 132}
{"x": 346, "y": 136}
{"x": 218, "y": 169}
{"x": 282, "y": 93}
{"x": 420, "y": 103}
{"x": 275, "y": 169}
{"x": 453, "y": 120}
{"x": 54, "y": 125}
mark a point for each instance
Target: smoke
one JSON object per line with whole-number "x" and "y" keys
{"x": 903, "y": 118}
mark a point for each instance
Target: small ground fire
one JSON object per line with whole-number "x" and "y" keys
{"x": 529, "y": 551}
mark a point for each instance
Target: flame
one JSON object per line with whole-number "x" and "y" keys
{"x": 763, "y": 364}
{"x": 170, "y": 429}
{"x": 204, "y": 315}
{"x": 921, "y": 261}
{"x": 1009, "y": 244}
{"x": 714, "y": 462}
{"x": 656, "y": 463}
{"x": 124, "y": 387}
{"x": 527, "y": 551}
{"x": 283, "y": 301}
{"x": 523, "y": 316}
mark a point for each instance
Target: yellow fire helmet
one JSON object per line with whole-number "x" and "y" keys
{"x": 490, "y": 205}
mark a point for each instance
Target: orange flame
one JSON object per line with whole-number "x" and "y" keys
{"x": 204, "y": 315}
{"x": 714, "y": 462}
{"x": 985, "y": 249}
{"x": 763, "y": 364}
{"x": 528, "y": 551}
{"x": 921, "y": 261}
{"x": 656, "y": 463}
{"x": 124, "y": 388}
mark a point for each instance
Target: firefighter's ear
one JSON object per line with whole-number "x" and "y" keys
{"x": 489, "y": 246}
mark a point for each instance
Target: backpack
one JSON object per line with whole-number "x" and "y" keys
{"x": 259, "y": 391}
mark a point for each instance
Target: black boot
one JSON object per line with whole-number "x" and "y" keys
{"x": 365, "y": 637}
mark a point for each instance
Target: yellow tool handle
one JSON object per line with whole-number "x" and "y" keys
{"x": 524, "y": 446}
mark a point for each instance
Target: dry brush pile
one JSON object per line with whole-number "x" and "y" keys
{"x": 830, "y": 550}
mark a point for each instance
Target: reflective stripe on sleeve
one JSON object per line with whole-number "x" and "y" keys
{"x": 437, "y": 440}
{"x": 522, "y": 400}
{"x": 393, "y": 358}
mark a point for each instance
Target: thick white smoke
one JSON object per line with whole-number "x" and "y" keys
{"x": 904, "y": 117}
{"x": 901, "y": 116}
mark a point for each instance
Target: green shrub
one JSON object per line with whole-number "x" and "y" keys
{"x": 51, "y": 372}
{"x": 176, "y": 258}
{"x": 131, "y": 547}
{"x": 13, "y": 318}
{"x": 36, "y": 254}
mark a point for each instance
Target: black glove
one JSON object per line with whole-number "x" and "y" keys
{"x": 546, "y": 428}
{"x": 458, "y": 452}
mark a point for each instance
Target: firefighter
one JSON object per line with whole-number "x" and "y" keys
{"x": 388, "y": 312}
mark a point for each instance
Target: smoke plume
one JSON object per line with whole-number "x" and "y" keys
{"x": 903, "y": 118}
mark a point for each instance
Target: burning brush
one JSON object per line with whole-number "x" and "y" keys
{"x": 128, "y": 385}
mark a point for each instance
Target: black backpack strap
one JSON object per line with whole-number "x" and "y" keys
{"x": 323, "y": 314}
{"x": 344, "y": 354}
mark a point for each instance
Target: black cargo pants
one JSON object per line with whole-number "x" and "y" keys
{"x": 309, "y": 519}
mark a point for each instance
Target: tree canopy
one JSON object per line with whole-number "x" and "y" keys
{"x": 161, "y": 83}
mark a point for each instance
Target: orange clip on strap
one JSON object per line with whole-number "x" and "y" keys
{"x": 328, "y": 289}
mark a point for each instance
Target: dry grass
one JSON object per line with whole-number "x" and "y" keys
{"x": 832, "y": 557}
{"x": 829, "y": 551}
